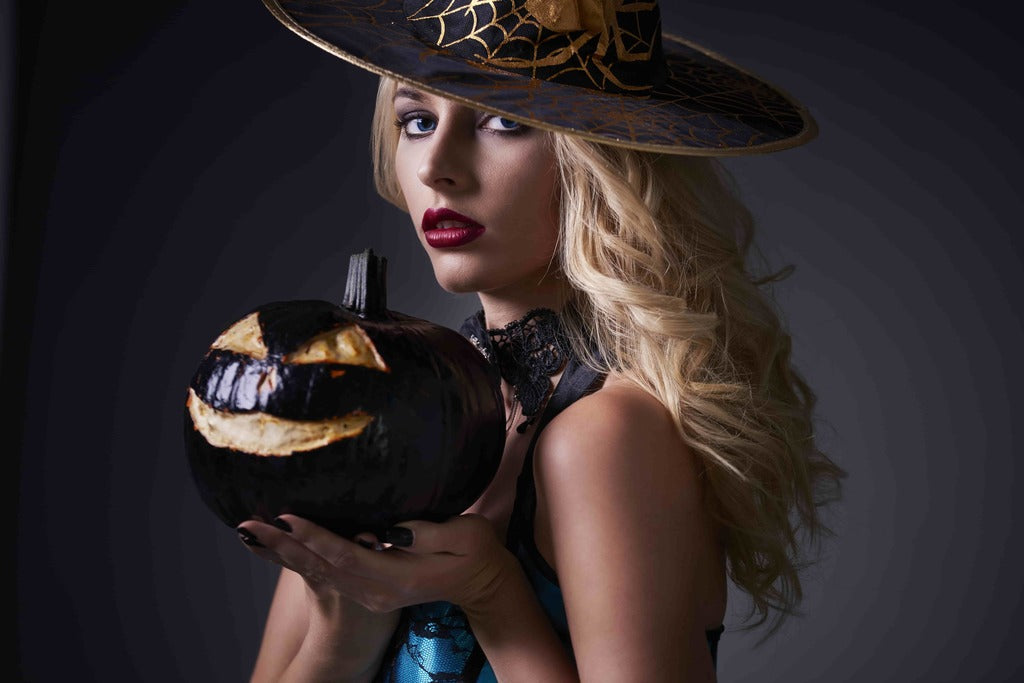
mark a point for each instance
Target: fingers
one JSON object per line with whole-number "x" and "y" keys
{"x": 424, "y": 561}
{"x": 460, "y": 535}
{"x": 291, "y": 538}
{"x": 316, "y": 538}
{"x": 272, "y": 542}
{"x": 327, "y": 562}
{"x": 369, "y": 541}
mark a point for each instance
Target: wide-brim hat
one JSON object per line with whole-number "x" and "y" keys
{"x": 603, "y": 71}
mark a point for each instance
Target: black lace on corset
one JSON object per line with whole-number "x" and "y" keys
{"x": 528, "y": 352}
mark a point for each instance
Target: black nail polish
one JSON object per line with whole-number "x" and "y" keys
{"x": 249, "y": 538}
{"x": 281, "y": 524}
{"x": 399, "y": 535}
{"x": 366, "y": 544}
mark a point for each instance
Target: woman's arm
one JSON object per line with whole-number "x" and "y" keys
{"x": 621, "y": 517}
{"x": 507, "y": 620}
{"x": 313, "y": 633}
{"x": 285, "y": 630}
{"x": 349, "y": 589}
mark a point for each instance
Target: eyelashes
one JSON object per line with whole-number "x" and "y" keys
{"x": 420, "y": 124}
{"x": 404, "y": 123}
{"x": 506, "y": 125}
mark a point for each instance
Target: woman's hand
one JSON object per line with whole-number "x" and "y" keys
{"x": 461, "y": 561}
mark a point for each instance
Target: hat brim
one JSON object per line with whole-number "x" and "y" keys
{"x": 707, "y": 107}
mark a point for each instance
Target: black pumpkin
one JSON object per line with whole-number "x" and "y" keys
{"x": 354, "y": 417}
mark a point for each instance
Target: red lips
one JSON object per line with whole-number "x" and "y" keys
{"x": 444, "y": 228}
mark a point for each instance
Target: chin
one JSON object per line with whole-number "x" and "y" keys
{"x": 457, "y": 287}
{"x": 458, "y": 281}
{"x": 475, "y": 275}
{"x": 460, "y": 285}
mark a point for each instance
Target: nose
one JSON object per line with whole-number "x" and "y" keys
{"x": 447, "y": 159}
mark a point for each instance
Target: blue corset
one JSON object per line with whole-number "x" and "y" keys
{"x": 433, "y": 641}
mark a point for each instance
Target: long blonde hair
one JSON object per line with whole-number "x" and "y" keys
{"x": 656, "y": 249}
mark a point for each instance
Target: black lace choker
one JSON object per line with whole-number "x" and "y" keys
{"x": 527, "y": 352}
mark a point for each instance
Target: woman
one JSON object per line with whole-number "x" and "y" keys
{"x": 659, "y": 440}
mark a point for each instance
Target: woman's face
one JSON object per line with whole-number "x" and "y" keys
{"x": 481, "y": 192}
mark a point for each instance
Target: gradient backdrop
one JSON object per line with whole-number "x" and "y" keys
{"x": 170, "y": 165}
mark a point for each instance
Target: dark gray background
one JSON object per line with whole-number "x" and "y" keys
{"x": 175, "y": 164}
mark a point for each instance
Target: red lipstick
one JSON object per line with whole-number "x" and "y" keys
{"x": 444, "y": 228}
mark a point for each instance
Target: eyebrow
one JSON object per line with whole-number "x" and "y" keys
{"x": 409, "y": 93}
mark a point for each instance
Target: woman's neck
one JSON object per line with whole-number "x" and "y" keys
{"x": 501, "y": 308}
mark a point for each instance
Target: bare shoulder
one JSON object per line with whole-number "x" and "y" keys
{"x": 621, "y": 518}
{"x": 616, "y": 394}
{"x": 619, "y": 438}
{"x": 620, "y": 423}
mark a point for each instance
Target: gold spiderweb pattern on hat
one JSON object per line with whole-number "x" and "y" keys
{"x": 706, "y": 106}
{"x": 564, "y": 42}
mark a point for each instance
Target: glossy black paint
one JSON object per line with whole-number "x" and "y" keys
{"x": 432, "y": 448}
{"x": 308, "y": 391}
{"x": 285, "y": 325}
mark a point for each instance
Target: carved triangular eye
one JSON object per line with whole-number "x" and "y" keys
{"x": 244, "y": 337}
{"x": 347, "y": 346}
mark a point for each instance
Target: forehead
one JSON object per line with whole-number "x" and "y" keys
{"x": 417, "y": 96}
{"x": 409, "y": 92}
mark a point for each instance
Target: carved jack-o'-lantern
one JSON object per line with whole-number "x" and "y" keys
{"x": 354, "y": 417}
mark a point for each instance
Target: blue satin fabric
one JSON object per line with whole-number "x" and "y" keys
{"x": 433, "y": 643}
{"x": 436, "y": 643}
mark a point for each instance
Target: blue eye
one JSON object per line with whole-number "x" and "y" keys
{"x": 424, "y": 125}
{"x": 416, "y": 126}
{"x": 500, "y": 124}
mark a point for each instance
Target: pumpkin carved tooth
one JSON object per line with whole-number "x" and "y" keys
{"x": 267, "y": 383}
{"x": 353, "y": 416}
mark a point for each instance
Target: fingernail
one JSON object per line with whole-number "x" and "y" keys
{"x": 281, "y": 524}
{"x": 399, "y": 535}
{"x": 249, "y": 538}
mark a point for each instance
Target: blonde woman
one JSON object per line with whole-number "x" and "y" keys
{"x": 556, "y": 158}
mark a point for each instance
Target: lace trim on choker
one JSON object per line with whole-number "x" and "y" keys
{"x": 527, "y": 352}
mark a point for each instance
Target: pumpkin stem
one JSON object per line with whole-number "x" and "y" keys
{"x": 366, "y": 289}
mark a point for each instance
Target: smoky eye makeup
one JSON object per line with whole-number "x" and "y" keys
{"x": 415, "y": 123}
{"x": 414, "y": 120}
{"x": 501, "y": 125}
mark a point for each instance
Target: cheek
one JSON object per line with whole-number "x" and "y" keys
{"x": 534, "y": 198}
{"x": 407, "y": 177}
{"x": 412, "y": 190}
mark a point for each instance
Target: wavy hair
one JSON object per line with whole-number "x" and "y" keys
{"x": 656, "y": 248}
